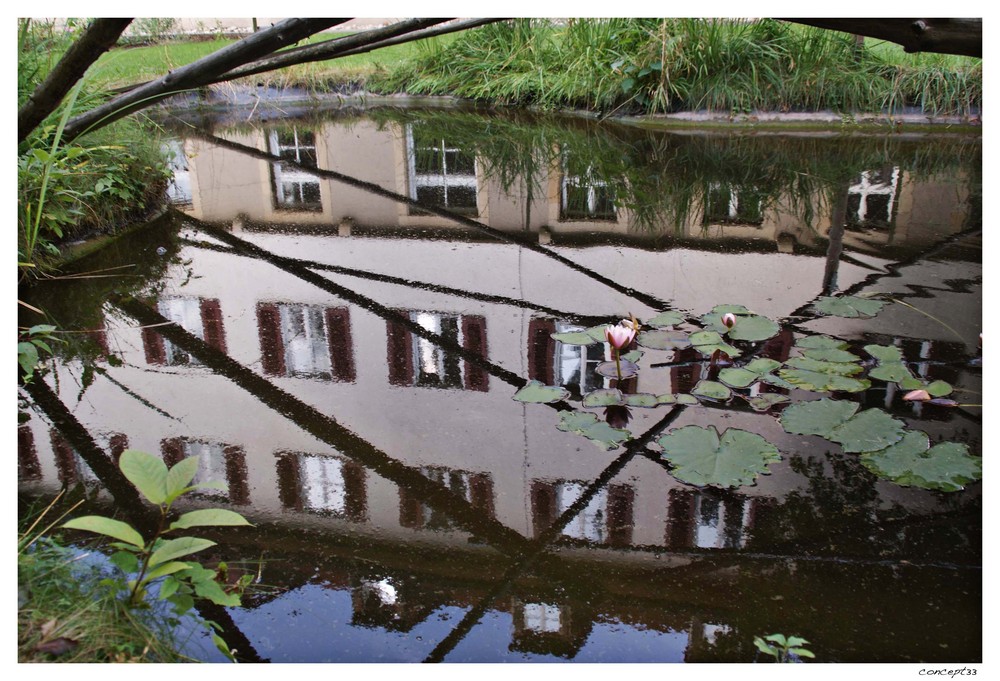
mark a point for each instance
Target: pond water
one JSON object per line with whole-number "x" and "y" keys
{"x": 339, "y": 309}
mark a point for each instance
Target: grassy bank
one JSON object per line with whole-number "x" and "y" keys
{"x": 669, "y": 65}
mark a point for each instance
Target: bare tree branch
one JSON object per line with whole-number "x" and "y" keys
{"x": 199, "y": 73}
{"x": 95, "y": 40}
{"x": 947, "y": 36}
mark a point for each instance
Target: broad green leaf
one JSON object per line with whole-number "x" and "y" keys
{"x": 848, "y": 306}
{"x": 938, "y": 388}
{"x": 809, "y": 364}
{"x": 820, "y": 342}
{"x": 27, "y": 356}
{"x": 182, "y": 603}
{"x": 817, "y": 417}
{"x": 126, "y": 561}
{"x": 598, "y": 332}
{"x": 762, "y": 365}
{"x": 646, "y": 400}
{"x": 108, "y": 527}
{"x": 821, "y": 382}
{"x": 777, "y": 382}
{"x": 764, "y": 647}
{"x": 175, "y": 548}
{"x": 701, "y": 457}
{"x": 574, "y": 338}
{"x": 795, "y": 641}
{"x": 912, "y": 462}
{"x": 801, "y": 652}
{"x": 665, "y": 319}
{"x": 603, "y": 398}
{"x": 168, "y": 587}
{"x": 765, "y": 401}
{"x": 180, "y": 476}
{"x": 537, "y": 392}
{"x": 749, "y": 326}
{"x": 707, "y": 342}
{"x": 605, "y": 436}
{"x": 712, "y": 390}
{"x": 869, "y": 431}
{"x": 209, "y": 517}
{"x": 165, "y": 569}
{"x": 663, "y": 340}
{"x": 147, "y": 472}
{"x": 830, "y": 355}
{"x": 891, "y": 372}
{"x": 575, "y": 421}
{"x": 777, "y": 638}
{"x": 885, "y": 353}
{"x": 212, "y": 590}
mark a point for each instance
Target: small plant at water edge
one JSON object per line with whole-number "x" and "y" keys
{"x": 782, "y": 648}
{"x": 155, "y": 561}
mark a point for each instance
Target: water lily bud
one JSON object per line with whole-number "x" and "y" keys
{"x": 729, "y": 320}
{"x": 619, "y": 336}
{"x": 917, "y": 396}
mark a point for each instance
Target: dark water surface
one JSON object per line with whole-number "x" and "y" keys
{"x": 356, "y": 298}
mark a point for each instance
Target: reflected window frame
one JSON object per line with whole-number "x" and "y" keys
{"x": 292, "y": 188}
{"x": 442, "y": 176}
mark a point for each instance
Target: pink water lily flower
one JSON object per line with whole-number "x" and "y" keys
{"x": 619, "y": 336}
{"x": 729, "y": 320}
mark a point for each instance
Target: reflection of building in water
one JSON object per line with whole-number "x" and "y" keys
{"x": 475, "y": 488}
{"x": 438, "y": 174}
{"x": 417, "y": 361}
{"x": 871, "y": 199}
{"x": 387, "y": 603}
{"x": 323, "y": 484}
{"x": 709, "y": 520}
{"x": 733, "y": 204}
{"x": 220, "y": 466}
{"x": 292, "y": 187}
{"x": 583, "y": 195}
{"x": 306, "y": 341}
{"x": 70, "y": 465}
{"x": 202, "y": 317}
{"x": 606, "y": 519}
{"x": 553, "y": 362}
{"x": 549, "y": 628}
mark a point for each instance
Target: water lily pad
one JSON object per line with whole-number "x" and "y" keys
{"x": 847, "y": 306}
{"x": 820, "y": 342}
{"x": 820, "y": 382}
{"x": 610, "y": 369}
{"x": 632, "y": 357}
{"x": 646, "y": 400}
{"x": 701, "y": 457}
{"x": 663, "y": 340}
{"x": 589, "y": 426}
{"x": 885, "y": 353}
{"x": 707, "y": 342}
{"x": 574, "y": 338}
{"x": 603, "y": 398}
{"x": 576, "y": 421}
{"x": 817, "y": 417}
{"x": 712, "y": 390}
{"x": 869, "y": 431}
{"x": 810, "y": 364}
{"x": 765, "y": 401}
{"x": 892, "y": 372}
{"x": 538, "y": 392}
{"x": 912, "y": 462}
{"x": 681, "y": 398}
{"x": 830, "y": 355}
{"x": 755, "y": 370}
{"x": 749, "y": 326}
{"x": 665, "y": 319}
{"x": 938, "y": 388}
{"x": 597, "y": 332}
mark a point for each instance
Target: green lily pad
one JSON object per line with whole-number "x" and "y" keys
{"x": 869, "y": 431}
{"x": 912, "y": 462}
{"x": 597, "y": 332}
{"x": 593, "y": 428}
{"x": 777, "y": 382}
{"x": 707, "y": 342}
{"x": 892, "y": 372}
{"x": 749, "y": 326}
{"x": 819, "y": 382}
{"x": 538, "y": 392}
{"x": 663, "y": 340}
{"x": 665, "y": 319}
{"x": 838, "y": 368}
{"x": 632, "y": 357}
{"x": 934, "y": 388}
{"x": 574, "y": 338}
{"x": 817, "y": 417}
{"x": 645, "y": 400}
{"x": 681, "y": 398}
{"x": 820, "y": 342}
{"x": 603, "y": 398}
{"x": 765, "y": 401}
{"x": 830, "y": 355}
{"x": 738, "y": 377}
{"x": 848, "y": 306}
{"x": 885, "y": 353}
{"x": 701, "y": 457}
{"x": 712, "y": 390}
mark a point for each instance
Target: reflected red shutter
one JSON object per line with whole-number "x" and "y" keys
{"x": 541, "y": 350}
{"x": 236, "y": 475}
{"x": 355, "y": 491}
{"x": 272, "y": 350}
{"x": 680, "y": 519}
{"x": 173, "y": 450}
{"x": 410, "y": 510}
{"x": 65, "y": 461}
{"x": 28, "y": 466}
{"x": 289, "y": 481}
{"x": 211, "y": 320}
{"x": 152, "y": 344}
{"x": 474, "y": 340}
{"x": 118, "y": 443}
{"x": 621, "y": 521}
{"x": 400, "y": 353}
{"x": 481, "y": 493}
{"x": 338, "y": 328}
{"x": 543, "y": 506}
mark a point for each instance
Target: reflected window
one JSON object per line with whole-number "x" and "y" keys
{"x": 871, "y": 198}
{"x": 418, "y": 361}
{"x": 222, "y": 465}
{"x": 201, "y": 317}
{"x": 584, "y": 195}
{"x": 732, "y": 204}
{"x": 179, "y": 189}
{"x": 306, "y": 341}
{"x": 71, "y": 466}
{"x": 608, "y": 518}
{"x": 323, "y": 484}
{"x": 28, "y": 466}
{"x": 541, "y": 617}
{"x": 708, "y": 520}
{"x": 573, "y": 367}
{"x": 440, "y": 175}
{"x": 294, "y": 188}
{"x": 474, "y": 488}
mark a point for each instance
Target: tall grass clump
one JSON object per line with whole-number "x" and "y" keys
{"x": 94, "y": 184}
{"x": 669, "y": 65}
